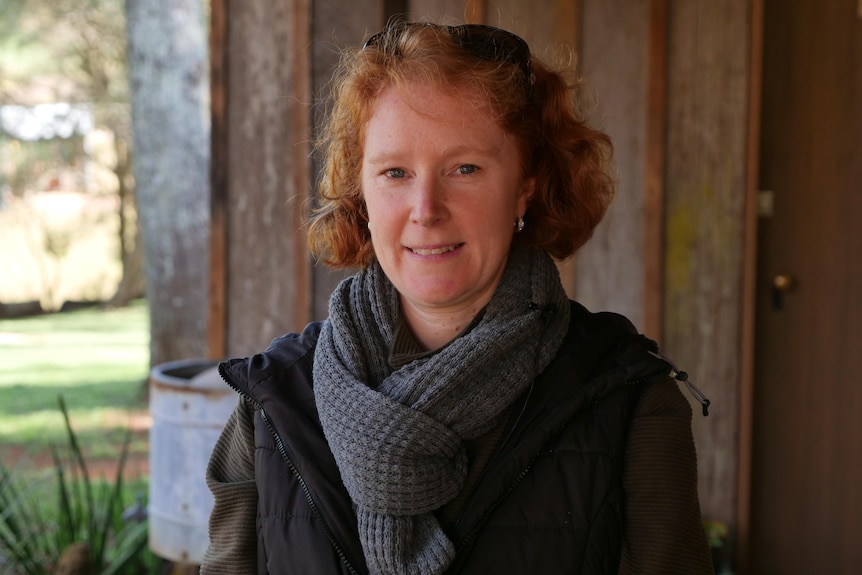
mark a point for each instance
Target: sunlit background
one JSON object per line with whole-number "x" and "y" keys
{"x": 73, "y": 318}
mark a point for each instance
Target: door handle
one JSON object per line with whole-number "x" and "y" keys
{"x": 781, "y": 284}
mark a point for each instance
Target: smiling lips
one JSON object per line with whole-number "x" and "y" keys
{"x": 434, "y": 251}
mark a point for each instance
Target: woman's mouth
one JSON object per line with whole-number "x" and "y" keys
{"x": 434, "y": 251}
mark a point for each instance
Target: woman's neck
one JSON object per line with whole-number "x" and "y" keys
{"x": 434, "y": 328}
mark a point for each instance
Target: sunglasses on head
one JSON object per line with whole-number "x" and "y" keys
{"x": 485, "y": 42}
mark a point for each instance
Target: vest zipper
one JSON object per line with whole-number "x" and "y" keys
{"x": 467, "y": 541}
{"x": 307, "y": 492}
{"x": 305, "y": 489}
{"x": 498, "y": 449}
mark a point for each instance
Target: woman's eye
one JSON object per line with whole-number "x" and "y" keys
{"x": 395, "y": 173}
{"x": 467, "y": 169}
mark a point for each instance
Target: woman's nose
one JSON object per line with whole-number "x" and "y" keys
{"x": 428, "y": 202}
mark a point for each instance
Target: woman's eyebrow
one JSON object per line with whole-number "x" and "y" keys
{"x": 397, "y": 155}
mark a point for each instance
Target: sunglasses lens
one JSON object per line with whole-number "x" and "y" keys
{"x": 491, "y": 43}
{"x": 372, "y": 41}
{"x": 486, "y": 42}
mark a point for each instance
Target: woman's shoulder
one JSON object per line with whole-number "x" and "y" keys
{"x": 603, "y": 340}
{"x": 607, "y": 341}
{"x": 607, "y": 323}
{"x": 290, "y": 347}
{"x": 289, "y": 353}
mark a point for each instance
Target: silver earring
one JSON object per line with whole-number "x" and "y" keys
{"x": 519, "y": 225}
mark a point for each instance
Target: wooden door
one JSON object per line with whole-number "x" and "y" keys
{"x": 806, "y": 497}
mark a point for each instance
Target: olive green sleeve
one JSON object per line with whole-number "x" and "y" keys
{"x": 230, "y": 478}
{"x": 664, "y": 531}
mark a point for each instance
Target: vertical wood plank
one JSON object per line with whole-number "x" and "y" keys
{"x": 538, "y": 27}
{"x": 656, "y": 118}
{"x": 443, "y": 11}
{"x": 615, "y": 59}
{"x": 749, "y": 293}
{"x": 707, "y": 111}
{"x": 217, "y": 311}
{"x": 474, "y": 11}
{"x": 267, "y": 153}
{"x": 567, "y": 31}
{"x": 568, "y": 34}
{"x": 394, "y": 8}
{"x": 298, "y": 142}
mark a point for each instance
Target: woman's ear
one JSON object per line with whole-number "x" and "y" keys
{"x": 527, "y": 191}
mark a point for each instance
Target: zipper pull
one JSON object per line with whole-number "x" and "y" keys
{"x": 682, "y": 376}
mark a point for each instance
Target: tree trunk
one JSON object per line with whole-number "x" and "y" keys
{"x": 131, "y": 284}
{"x": 168, "y": 66}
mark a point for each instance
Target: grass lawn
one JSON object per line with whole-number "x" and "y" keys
{"x": 96, "y": 359}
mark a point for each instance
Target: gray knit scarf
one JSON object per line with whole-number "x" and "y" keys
{"x": 397, "y": 435}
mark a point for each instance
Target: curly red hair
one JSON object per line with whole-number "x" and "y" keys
{"x": 568, "y": 159}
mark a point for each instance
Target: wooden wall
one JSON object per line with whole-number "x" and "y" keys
{"x": 616, "y": 61}
{"x": 706, "y": 214}
{"x": 261, "y": 172}
{"x": 671, "y": 83}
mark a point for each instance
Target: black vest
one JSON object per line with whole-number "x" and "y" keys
{"x": 550, "y": 500}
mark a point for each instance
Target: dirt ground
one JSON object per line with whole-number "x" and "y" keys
{"x": 137, "y": 462}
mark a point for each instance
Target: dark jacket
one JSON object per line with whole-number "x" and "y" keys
{"x": 552, "y": 499}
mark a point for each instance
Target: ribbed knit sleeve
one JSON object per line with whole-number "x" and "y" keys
{"x": 230, "y": 477}
{"x": 664, "y": 529}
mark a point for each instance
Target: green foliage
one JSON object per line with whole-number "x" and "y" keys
{"x": 41, "y": 164}
{"x": 77, "y": 41}
{"x": 88, "y": 514}
{"x": 20, "y": 513}
{"x": 61, "y": 51}
{"x": 72, "y": 51}
{"x": 716, "y": 533}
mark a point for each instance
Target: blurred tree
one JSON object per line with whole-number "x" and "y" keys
{"x": 169, "y": 82}
{"x": 85, "y": 44}
{"x": 88, "y": 51}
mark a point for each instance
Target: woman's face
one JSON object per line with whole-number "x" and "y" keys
{"x": 443, "y": 185}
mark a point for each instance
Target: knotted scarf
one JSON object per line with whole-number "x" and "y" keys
{"x": 397, "y": 435}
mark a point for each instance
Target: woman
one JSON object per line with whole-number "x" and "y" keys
{"x": 456, "y": 413}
